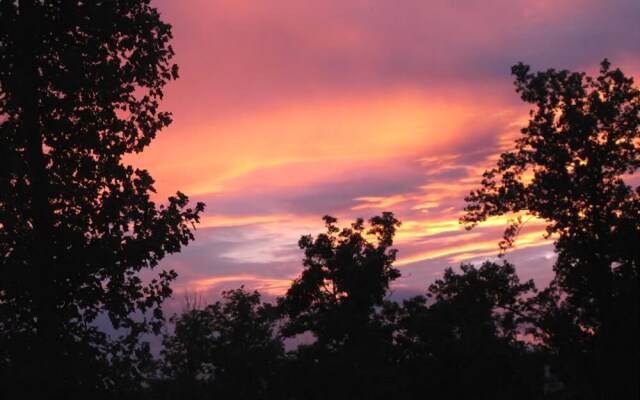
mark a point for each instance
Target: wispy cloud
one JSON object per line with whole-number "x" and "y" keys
{"x": 290, "y": 110}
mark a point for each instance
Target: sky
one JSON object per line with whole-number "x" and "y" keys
{"x": 288, "y": 110}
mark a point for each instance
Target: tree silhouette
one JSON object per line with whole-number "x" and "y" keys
{"x": 80, "y": 85}
{"x": 568, "y": 169}
{"x": 184, "y": 367}
{"x": 475, "y": 325}
{"x": 462, "y": 340}
{"x": 346, "y": 276}
{"x": 227, "y": 350}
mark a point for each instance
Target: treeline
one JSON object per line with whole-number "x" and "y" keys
{"x": 474, "y": 334}
{"x": 477, "y": 333}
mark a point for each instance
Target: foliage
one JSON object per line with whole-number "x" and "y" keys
{"x": 582, "y": 139}
{"x": 226, "y": 349}
{"x": 465, "y": 336}
{"x": 186, "y": 352}
{"x": 80, "y": 85}
{"x": 569, "y": 169}
{"x": 489, "y": 297}
{"x": 345, "y": 276}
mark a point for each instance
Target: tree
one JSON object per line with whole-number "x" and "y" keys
{"x": 184, "y": 367}
{"x": 346, "y": 277}
{"x": 226, "y": 349}
{"x": 486, "y": 298}
{"x": 80, "y": 85}
{"x": 246, "y": 351}
{"x": 463, "y": 339}
{"x": 568, "y": 168}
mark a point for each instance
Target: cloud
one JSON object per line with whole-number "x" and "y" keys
{"x": 237, "y": 56}
{"x": 286, "y": 111}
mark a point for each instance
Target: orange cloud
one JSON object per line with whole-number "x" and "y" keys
{"x": 465, "y": 251}
{"x": 287, "y": 104}
{"x": 210, "y": 156}
{"x": 380, "y": 202}
{"x": 225, "y": 221}
{"x": 264, "y": 285}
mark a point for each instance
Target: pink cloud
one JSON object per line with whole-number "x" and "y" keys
{"x": 289, "y": 110}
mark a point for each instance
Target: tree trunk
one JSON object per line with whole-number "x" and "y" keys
{"x": 41, "y": 264}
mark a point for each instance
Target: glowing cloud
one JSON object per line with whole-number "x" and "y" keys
{"x": 289, "y": 110}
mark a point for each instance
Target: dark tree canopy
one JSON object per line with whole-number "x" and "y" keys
{"x": 489, "y": 297}
{"x": 569, "y": 169}
{"x": 568, "y": 166}
{"x": 227, "y": 349}
{"x": 347, "y": 272}
{"x": 80, "y": 85}
{"x": 462, "y": 339}
{"x": 346, "y": 276}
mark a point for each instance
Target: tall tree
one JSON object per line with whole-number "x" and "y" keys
{"x": 462, "y": 339}
{"x": 346, "y": 275}
{"x": 569, "y": 169}
{"x": 185, "y": 368}
{"x": 80, "y": 85}
{"x": 474, "y": 328}
{"x": 246, "y": 350}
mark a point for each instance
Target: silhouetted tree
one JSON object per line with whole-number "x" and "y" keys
{"x": 226, "y": 350}
{"x": 245, "y": 352}
{"x": 486, "y": 298}
{"x": 568, "y": 169}
{"x": 346, "y": 276}
{"x": 80, "y": 84}
{"x": 185, "y": 370}
{"x": 476, "y": 322}
{"x": 463, "y": 340}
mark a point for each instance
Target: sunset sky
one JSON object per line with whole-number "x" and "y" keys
{"x": 287, "y": 110}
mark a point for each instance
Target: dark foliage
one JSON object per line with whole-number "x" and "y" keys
{"x": 226, "y": 350}
{"x": 583, "y": 137}
{"x": 463, "y": 339}
{"x": 80, "y": 85}
{"x": 468, "y": 340}
{"x": 346, "y": 276}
